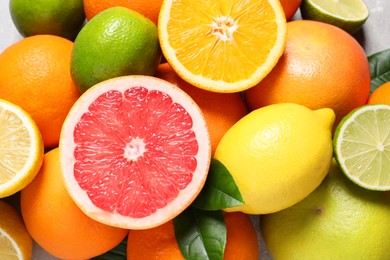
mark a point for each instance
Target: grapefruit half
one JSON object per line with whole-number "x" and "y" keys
{"x": 134, "y": 151}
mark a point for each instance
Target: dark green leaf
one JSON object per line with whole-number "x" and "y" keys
{"x": 200, "y": 234}
{"x": 117, "y": 253}
{"x": 380, "y": 68}
{"x": 220, "y": 190}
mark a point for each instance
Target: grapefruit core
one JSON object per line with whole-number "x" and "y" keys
{"x": 135, "y": 151}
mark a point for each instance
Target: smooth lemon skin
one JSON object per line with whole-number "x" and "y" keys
{"x": 277, "y": 155}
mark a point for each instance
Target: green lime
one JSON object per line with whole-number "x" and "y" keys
{"x": 116, "y": 42}
{"x": 349, "y": 15}
{"x": 362, "y": 146}
{"x": 57, "y": 17}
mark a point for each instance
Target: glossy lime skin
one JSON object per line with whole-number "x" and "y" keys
{"x": 116, "y": 42}
{"x": 57, "y": 17}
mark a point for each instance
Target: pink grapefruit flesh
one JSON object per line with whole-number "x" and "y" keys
{"x": 135, "y": 151}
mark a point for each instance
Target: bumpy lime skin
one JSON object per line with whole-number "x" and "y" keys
{"x": 116, "y": 42}
{"x": 62, "y": 18}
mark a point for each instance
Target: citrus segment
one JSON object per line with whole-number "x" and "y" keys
{"x": 349, "y": 15}
{"x": 15, "y": 241}
{"x": 362, "y": 146}
{"x": 222, "y": 46}
{"x": 135, "y": 151}
{"x": 21, "y": 149}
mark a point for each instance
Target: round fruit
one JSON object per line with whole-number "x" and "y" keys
{"x": 58, "y": 17}
{"x": 277, "y": 155}
{"x": 15, "y": 241}
{"x": 135, "y": 151}
{"x": 362, "y": 146}
{"x": 221, "y": 110}
{"x": 35, "y": 75}
{"x": 56, "y": 223}
{"x": 21, "y": 149}
{"x": 324, "y": 68}
{"x": 214, "y": 45}
{"x": 290, "y": 7}
{"x": 150, "y": 9}
{"x": 347, "y": 15}
{"x": 380, "y": 95}
{"x": 160, "y": 242}
{"x": 124, "y": 43}
{"x": 339, "y": 220}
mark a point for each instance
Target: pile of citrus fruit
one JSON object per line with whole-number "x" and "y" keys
{"x": 169, "y": 129}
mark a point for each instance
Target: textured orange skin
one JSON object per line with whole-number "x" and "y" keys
{"x": 322, "y": 66}
{"x": 290, "y": 7}
{"x": 160, "y": 242}
{"x": 221, "y": 110}
{"x": 149, "y": 9}
{"x": 35, "y": 74}
{"x": 56, "y": 223}
{"x": 381, "y": 95}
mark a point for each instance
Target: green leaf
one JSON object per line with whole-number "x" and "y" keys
{"x": 220, "y": 190}
{"x": 379, "y": 68}
{"x": 117, "y": 253}
{"x": 200, "y": 234}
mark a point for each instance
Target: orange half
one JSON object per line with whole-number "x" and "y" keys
{"x": 222, "y": 45}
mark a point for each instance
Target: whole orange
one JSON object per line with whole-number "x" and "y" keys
{"x": 322, "y": 66}
{"x": 160, "y": 242}
{"x": 56, "y": 223}
{"x": 149, "y": 9}
{"x": 35, "y": 74}
{"x": 221, "y": 110}
{"x": 290, "y": 7}
{"x": 381, "y": 95}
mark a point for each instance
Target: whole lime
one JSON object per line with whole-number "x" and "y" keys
{"x": 56, "y": 17}
{"x": 339, "y": 220}
{"x": 116, "y": 42}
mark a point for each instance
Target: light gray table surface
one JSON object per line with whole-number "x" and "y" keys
{"x": 374, "y": 37}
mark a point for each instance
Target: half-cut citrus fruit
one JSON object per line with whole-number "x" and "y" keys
{"x": 21, "y": 149}
{"x": 362, "y": 146}
{"x": 15, "y": 241}
{"x": 135, "y": 151}
{"x": 222, "y": 46}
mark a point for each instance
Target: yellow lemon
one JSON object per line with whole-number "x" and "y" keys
{"x": 21, "y": 149}
{"x": 15, "y": 241}
{"x": 277, "y": 155}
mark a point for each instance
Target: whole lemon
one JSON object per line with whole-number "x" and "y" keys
{"x": 277, "y": 155}
{"x": 339, "y": 220}
{"x": 116, "y": 42}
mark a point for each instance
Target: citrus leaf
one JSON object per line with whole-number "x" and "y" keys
{"x": 220, "y": 190}
{"x": 117, "y": 253}
{"x": 200, "y": 234}
{"x": 379, "y": 68}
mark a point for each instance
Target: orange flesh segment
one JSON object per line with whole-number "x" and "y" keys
{"x": 228, "y": 41}
{"x": 143, "y": 156}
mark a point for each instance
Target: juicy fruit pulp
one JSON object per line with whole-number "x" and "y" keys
{"x": 15, "y": 241}
{"x": 348, "y": 15}
{"x": 21, "y": 149}
{"x": 362, "y": 146}
{"x": 135, "y": 151}
{"x": 222, "y": 46}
